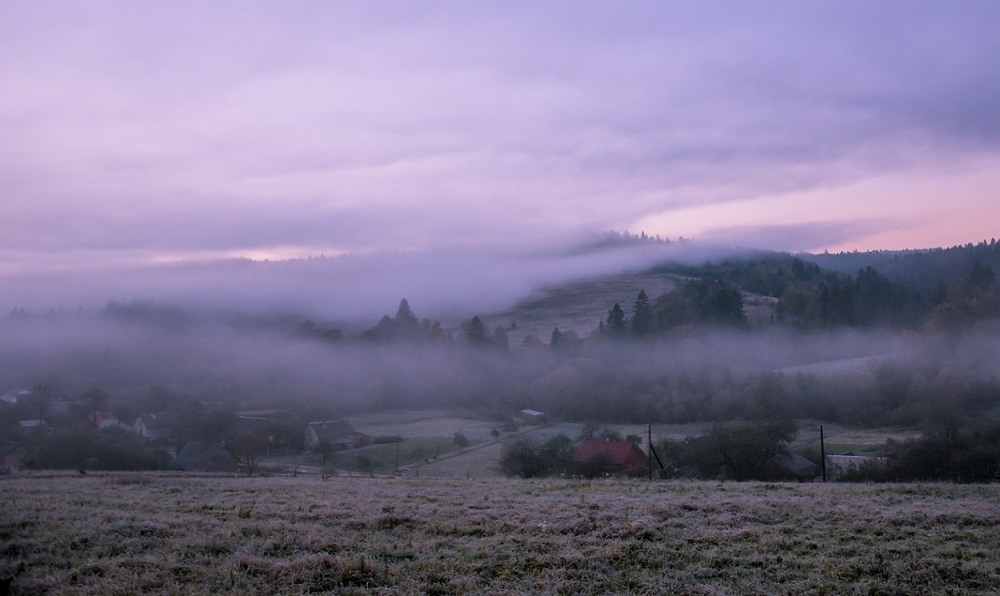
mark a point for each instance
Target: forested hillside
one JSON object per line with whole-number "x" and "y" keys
{"x": 919, "y": 270}
{"x": 943, "y": 288}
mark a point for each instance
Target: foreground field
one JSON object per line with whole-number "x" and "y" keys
{"x": 160, "y": 533}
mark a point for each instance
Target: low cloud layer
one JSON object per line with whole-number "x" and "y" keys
{"x": 354, "y": 290}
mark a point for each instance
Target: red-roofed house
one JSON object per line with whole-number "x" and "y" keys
{"x": 620, "y": 457}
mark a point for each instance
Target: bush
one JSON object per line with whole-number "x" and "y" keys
{"x": 86, "y": 448}
{"x": 526, "y": 458}
{"x": 600, "y": 464}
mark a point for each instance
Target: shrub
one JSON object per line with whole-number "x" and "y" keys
{"x": 527, "y": 458}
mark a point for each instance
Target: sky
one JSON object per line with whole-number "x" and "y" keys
{"x": 155, "y": 132}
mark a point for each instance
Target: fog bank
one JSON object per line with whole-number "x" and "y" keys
{"x": 445, "y": 283}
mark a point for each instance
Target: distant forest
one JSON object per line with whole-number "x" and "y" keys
{"x": 942, "y": 287}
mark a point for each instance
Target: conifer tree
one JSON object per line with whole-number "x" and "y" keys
{"x": 616, "y": 322}
{"x": 642, "y": 315}
{"x": 475, "y": 332}
{"x": 555, "y": 342}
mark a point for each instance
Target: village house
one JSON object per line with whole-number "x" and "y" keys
{"x": 155, "y": 426}
{"x": 620, "y": 457}
{"x": 529, "y": 416}
{"x": 105, "y": 420}
{"x": 14, "y": 396}
{"x": 257, "y": 426}
{"x": 336, "y": 434}
{"x": 789, "y": 464}
{"x": 33, "y": 425}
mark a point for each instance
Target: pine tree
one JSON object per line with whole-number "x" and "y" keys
{"x": 404, "y": 314}
{"x": 981, "y": 278}
{"x": 475, "y": 332}
{"x": 940, "y": 294}
{"x": 642, "y": 315}
{"x": 407, "y": 327}
{"x": 555, "y": 342}
{"x": 616, "y": 322}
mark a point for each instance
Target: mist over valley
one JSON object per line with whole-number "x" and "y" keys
{"x": 820, "y": 345}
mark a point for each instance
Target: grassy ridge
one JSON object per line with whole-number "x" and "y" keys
{"x": 160, "y": 533}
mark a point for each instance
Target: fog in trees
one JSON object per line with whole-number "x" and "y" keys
{"x": 855, "y": 348}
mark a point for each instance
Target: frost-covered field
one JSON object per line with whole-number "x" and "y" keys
{"x": 133, "y": 533}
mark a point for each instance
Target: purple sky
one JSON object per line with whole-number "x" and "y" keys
{"x": 133, "y": 132}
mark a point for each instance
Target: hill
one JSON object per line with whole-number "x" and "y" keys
{"x": 578, "y": 306}
{"x": 919, "y": 270}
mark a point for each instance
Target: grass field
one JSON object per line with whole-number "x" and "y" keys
{"x": 156, "y": 533}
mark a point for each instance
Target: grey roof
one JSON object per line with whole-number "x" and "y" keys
{"x": 252, "y": 425}
{"x": 157, "y": 420}
{"x": 795, "y": 463}
{"x": 202, "y": 456}
{"x": 333, "y": 431}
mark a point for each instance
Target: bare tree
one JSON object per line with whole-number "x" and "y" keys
{"x": 247, "y": 449}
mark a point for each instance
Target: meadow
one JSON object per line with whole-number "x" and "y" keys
{"x": 170, "y": 533}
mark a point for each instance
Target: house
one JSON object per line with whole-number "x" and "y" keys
{"x": 14, "y": 396}
{"x": 620, "y": 457}
{"x": 789, "y": 464}
{"x": 104, "y": 420}
{"x": 530, "y": 416}
{"x": 204, "y": 456}
{"x": 338, "y": 434}
{"x": 33, "y": 425}
{"x": 156, "y": 426}
{"x": 256, "y": 426}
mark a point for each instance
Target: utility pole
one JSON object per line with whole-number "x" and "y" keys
{"x": 649, "y": 448}
{"x": 822, "y": 452}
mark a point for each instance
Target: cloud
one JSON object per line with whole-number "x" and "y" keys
{"x": 447, "y": 284}
{"x": 135, "y": 130}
